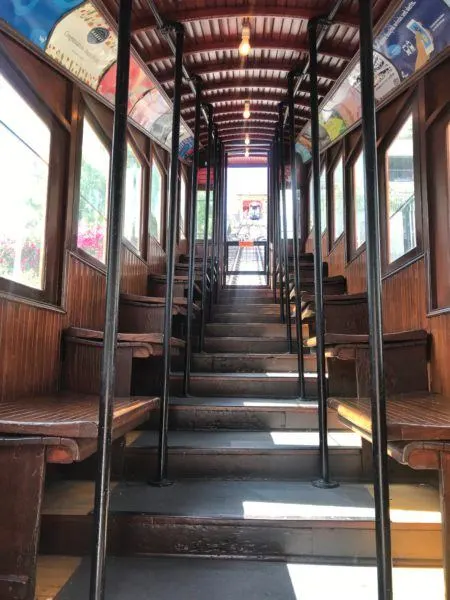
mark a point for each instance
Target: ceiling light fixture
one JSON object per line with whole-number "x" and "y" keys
{"x": 246, "y": 114}
{"x": 244, "y": 46}
{"x": 247, "y": 140}
{"x": 247, "y": 153}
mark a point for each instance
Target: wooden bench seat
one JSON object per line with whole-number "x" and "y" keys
{"x": 55, "y": 428}
{"x": 331, "y": 285}
{"x": 82, "y": 357}
{"x": 348, "y": 362}
{"x": 156, "y": 285}
{"x": 343, "y": 313}
{"x": 418, "y": 434}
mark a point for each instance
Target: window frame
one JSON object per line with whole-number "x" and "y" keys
{"x": 411, "y": 108}
{"x": 86, "y": 113}
{"x": 349, "y": 201}
{"x": 154, "y": 157}
{"x": 334, "y": 241}
{"x": 144, "y": 177}
{"x": 56, "y": 191}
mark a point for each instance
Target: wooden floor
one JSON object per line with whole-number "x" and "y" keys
{"x": 52, "y": 574}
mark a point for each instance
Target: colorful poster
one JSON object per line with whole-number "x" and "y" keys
{"x": 84, "y": 44}
{"x": 35, "y": 19}
{"x": 140, "y": 84}
{"x": 186, "y": 148}
{"x": 149, "y": 108}
{"x": 417, "y": 32}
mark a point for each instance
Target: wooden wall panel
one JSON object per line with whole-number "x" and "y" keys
{"x": 336, "y": 259}
{"x": 29, "y": 349}
{"x": 439, "y": 327}
{"x": 85, "y": 294}
{"x": 134, "y": 273}
{"x": 356, "y": 274}
{"x": 156, "y": 256}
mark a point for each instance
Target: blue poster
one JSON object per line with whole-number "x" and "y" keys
{"x": 35, "y": 19}
{"x": 417, "y": 32}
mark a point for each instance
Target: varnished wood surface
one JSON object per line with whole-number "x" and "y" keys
{"x": 345, "y": 339}
{"x": 421, "y": 416}
{"x": 149, "y": 338}
{"x": 67, "y": 414}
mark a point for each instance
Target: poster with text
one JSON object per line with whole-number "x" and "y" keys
{"x": 84, "y": 44}
{"x": 140, "y": 84}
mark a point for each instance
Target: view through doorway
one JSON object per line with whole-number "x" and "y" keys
{"x": 246, "y": 248}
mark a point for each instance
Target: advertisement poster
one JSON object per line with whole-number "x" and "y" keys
{"x": 186, "y": 148}
{"x": 149, "y": 108}
{"x": 84, "y": 44}
{"x": 140, "y": 84}
{"x": 417, "y": 32}
{"x": 35, "y": 19}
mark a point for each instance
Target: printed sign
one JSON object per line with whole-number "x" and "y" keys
{"x": 140, "y": 84}
{"x": 84, "y": 44}
{"x": 417, "y": 32}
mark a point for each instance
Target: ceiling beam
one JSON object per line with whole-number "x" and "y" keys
{"x": 236, "y": 113}
{"x": 238, "y": 137}
{"x": 243, "y": 132}
{"x": 291, "y": 43}
{"x": 245, "y": 123}
{"x": 239, "y": 64}
{"x": 239, "y": 97}
{"x": 249, "y": 8}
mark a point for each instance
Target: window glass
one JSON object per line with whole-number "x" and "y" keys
{"x": 400, "y": 192}
{"x": 338, "y": 199}
{"x": 182, "y": 208}
{"x": 359, "y": 201}
{"x": 24, "y": 174}
{"x": 323, "y": 200}
{"x": 201, "y": 214}
{"x": 132, "y": 222}
{"x": 289, "y": 215}
{"x": 93, "y": 207}
{"x": 156, "y": 202}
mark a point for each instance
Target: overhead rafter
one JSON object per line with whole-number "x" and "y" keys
{"x": 246, "y": 9}
{"x": 291, "y": 43}
{"x": 238, "y": 64}
{"x": 239, "y": 96}
{"x": 235, "y": 112}
{"x": 238, "y": 136}
{"x": 250, "y": 83}
{"x": 244, "y": 130}
{"x": 248, "y": 122}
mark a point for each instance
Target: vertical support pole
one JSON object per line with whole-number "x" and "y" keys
{"x": 161, "y": 478}
{"x": 277, "y": 208}
{"x": 272, "y": 217}
{"x": 192, "y": 240}
{"x": 295, "y": 236}
{"x": 216, "y": 201}
{"x": 223, "y": 236}
{"x": 116, "y": 209}
{"x": 205, "y": 238}
{"x": 324, "y": 481}
{"x": 374, "y": 292}
{"x": 285, "y": 270}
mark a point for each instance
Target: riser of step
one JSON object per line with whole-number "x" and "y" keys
{"x": 243, "y": 387}
{"x": 271, "y": 330}
{"x": 138, "y": 535}
{"x": 226, "y": 298}
{"x": 250, "y": 416}
{"x": 249, "y": 317}
{"x": 246, "y": 345}
{"x": 297, "y": 465}
{"x": 251, "y": 363}
{"x": 253, "y": 307}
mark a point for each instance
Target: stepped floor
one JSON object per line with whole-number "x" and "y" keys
{"x": 66, "y": 578}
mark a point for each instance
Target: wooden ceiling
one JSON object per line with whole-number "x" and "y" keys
{"x": 279, "y": 43}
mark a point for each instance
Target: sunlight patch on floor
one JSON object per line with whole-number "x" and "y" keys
{"x": 311, "y": 438}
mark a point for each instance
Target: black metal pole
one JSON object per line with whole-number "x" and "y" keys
{"x": 223, "y": 238}
{"x": 295, "y": 235}
{"x": 374, "y": 290}
{"x": 161, "y": 478}
{"x": 324, "y": 481}
{"x": 116, "y": 209}
{"x": 192, "y": 240}
{"x": 277, "y": 195}
{"x": 287, "y": 286}
{"x": 272, "y": 214}
{"x": 206, "y": 232}
{"x": 216, "y": 190}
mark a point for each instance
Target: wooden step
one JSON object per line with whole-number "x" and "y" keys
{"x": 245, "y": 385}
{"x": 250, "y": 363}
{"x": 244, "y": 455}
{"x": 266, "y": 330}
{"x": 252, "y": 307}
{"x": 249, "y": 317}
{"x": 282, "y": 519}
{"x": 248, "y": 414}
{"x": 246, "y": 345}
{"x": 227, "y": 298}
{"x": 193, "y": 578}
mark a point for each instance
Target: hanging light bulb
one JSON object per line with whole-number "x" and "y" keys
{"x": 247, "y": 140}
{"x": 247, "y": 153}
{"x": 246, "y": 114}
{"x": 244, "y": 46}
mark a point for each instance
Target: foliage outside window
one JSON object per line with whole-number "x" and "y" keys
{"x": 338, "y": 199}
{"x": 400, "y": 193}
{"x": 201, "y": 214}
{"x": 132, "y": 222}
{"x": 182, "y": 218}
{"x": 25, "y": 141}
{"x": 359, "y": 201}
{"x": 93, "y": 205}
{"x": 156, "y": 199}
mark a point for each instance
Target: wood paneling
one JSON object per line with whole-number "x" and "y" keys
{"x": 135, "y": 271}
{"x": 85, "y": 295}
{"x": 404, "y": 299}
{"x": 439, "y": 327}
